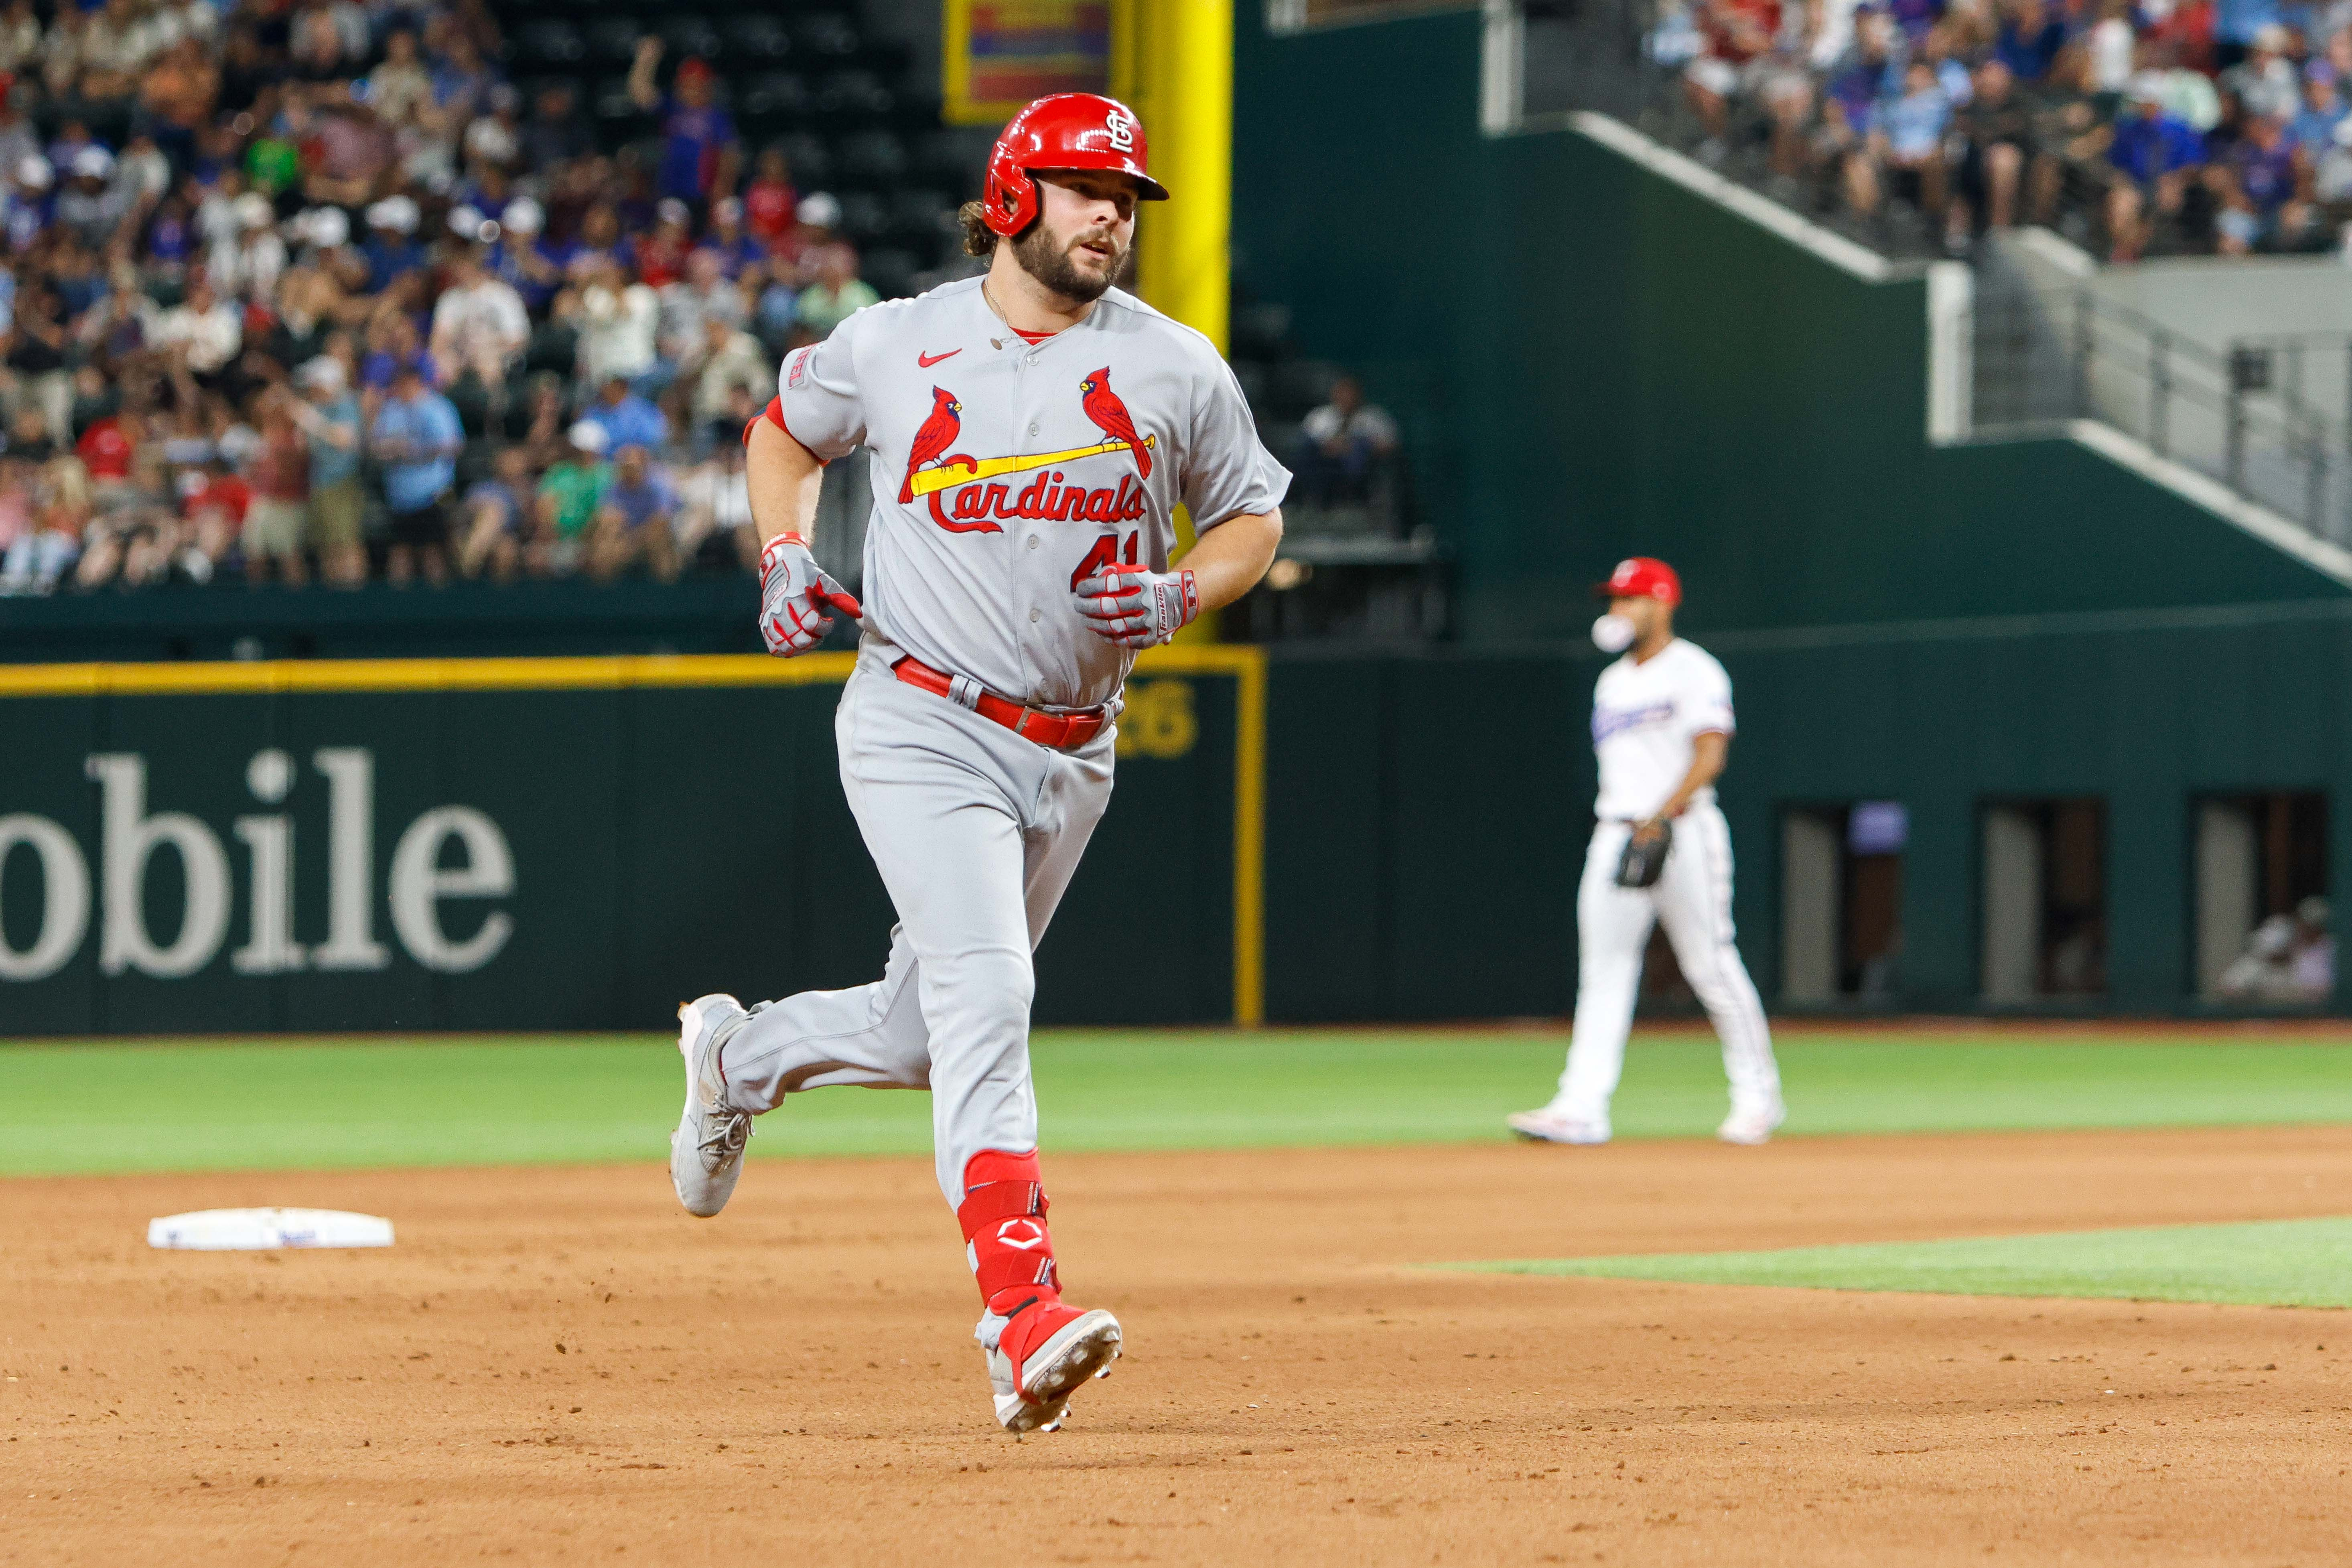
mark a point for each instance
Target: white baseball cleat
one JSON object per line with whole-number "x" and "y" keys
{"x": 1553, "y": 1125}
{"x": 1752, "y": 1124}
{"x": 705, "y": 1152}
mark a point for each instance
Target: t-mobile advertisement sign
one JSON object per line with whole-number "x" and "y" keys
{"x": 446, "y": 855}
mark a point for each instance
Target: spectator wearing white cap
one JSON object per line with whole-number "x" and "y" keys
{"x": 329, "y": 418}
{"x": 734, "y": 245}
{"x": 88, "y": 206}
{"x": 520, "y": 260}
{"x": 817, "y": 223}
{"x": 27, "y": 201}
{"x": 392, "y": 248}
{"x": 250, "y": 264}
{"x": 2264, "y": 81}
{"x": 569, "y": 495}
{"x": 480, "y": 324}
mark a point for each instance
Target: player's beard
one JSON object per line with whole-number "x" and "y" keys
{"x": 1045, "y": 257}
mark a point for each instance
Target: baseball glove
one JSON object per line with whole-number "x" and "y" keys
{"x": 1643, "y": 859}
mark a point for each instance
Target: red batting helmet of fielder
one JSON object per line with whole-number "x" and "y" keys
{"x": 1642, "y": 577}
{"x": 1065, "y": 130}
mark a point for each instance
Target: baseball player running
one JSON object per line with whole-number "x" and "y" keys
{"x": 1032, "y": 432}
{"x": 1660, "y": 852}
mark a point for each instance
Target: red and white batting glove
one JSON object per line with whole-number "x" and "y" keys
{"x": 1137, "y": 607}
{"x": 795, "y": 595}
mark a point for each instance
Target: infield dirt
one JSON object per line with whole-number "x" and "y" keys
{"x": 557, "y": 1365}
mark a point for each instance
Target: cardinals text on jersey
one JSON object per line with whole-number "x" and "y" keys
{"x": 965, "y": 497}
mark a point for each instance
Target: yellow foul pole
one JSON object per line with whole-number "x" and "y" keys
{"x": 1173, "y": 63}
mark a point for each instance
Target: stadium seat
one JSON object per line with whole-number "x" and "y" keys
{"x": 1253, "y": 378}
{"x": 891, "y": 272}
{"x": 854, "y": 98}
{"x": 864, "y": 218}
{"x": 952, "y": 160}
{"x": 689, "y": 33}
{"x": 872, "y": 160}
{"x": 1297, "y": 386}
{"x": 824, "y": 37}
{"x": 619, "y": 118}
{"x": 754, "y": 39}
{"x": 548, "y": 45}
{"x": 1259, "y": 333}
{"x": 810, "y": 161}
{"x": 771, "y": 100}
{"x": 925, "y": 223}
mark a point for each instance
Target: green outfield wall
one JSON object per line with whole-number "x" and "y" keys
{"x": 519, "y": 845}
{"x": 1589, "y": 361}
{"x": 485, "y": 847}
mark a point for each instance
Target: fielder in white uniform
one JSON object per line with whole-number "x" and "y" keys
{"x": 1031, "y": 433}
{"x": 1662, "y": 725}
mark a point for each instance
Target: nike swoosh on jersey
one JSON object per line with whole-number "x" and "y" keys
{"x": 926, "y": 361}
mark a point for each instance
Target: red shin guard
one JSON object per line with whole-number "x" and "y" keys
{"x": 1006, "y": 1240}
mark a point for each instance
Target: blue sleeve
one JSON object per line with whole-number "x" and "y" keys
{"x": 447, "y": 425}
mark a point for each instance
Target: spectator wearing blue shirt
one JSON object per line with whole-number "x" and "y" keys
{"x": 417, "y": 438}
{"x": 2032, "y": 35}
{"x": 329, "y": 418}
{"x": 626, "y": 419}
{"x": 392, "y": 248}
{"x": 2236, "y": 25}
{"x": 523, "y": 259}
{"x": 699, "y": 155}
{"x": 2153, "y": 157}
{"x": 736, "y": 249}
{"x": 2314, "y": 130}
{"x": 633, "y": 522}
{"x": 2257, "y": 185}
{"x": 1906, "y": 141}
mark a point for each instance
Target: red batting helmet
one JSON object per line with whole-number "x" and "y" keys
{"x": 1640, "y": 577}
{"x": 1067, "y": 131}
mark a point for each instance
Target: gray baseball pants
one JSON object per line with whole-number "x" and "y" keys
{"x": 976, "y": 833}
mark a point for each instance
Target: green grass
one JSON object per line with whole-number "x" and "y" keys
{"x": 2270, "y": 1263}
{"x": 193, "y": 1105}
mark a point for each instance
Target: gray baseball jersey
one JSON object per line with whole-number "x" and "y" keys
{"x": 1004, "y": 471}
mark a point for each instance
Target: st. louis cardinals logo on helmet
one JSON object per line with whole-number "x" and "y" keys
{"x": 956, "y": 486}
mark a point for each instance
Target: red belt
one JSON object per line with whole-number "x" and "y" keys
{"x": 1057, "y": 732}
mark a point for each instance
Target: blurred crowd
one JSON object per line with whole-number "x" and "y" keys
{"x": 303, "y": 289}
{"x": 2164, "y": 125}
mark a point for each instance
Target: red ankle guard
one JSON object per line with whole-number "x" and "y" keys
{"x": 1004, "y": 1219}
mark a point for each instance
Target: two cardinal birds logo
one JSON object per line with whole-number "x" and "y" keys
{"x": 931, "y": 467}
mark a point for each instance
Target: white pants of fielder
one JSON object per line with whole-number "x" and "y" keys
{"x": 1692, "y": 899}
{"x": 976, "y": 833}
